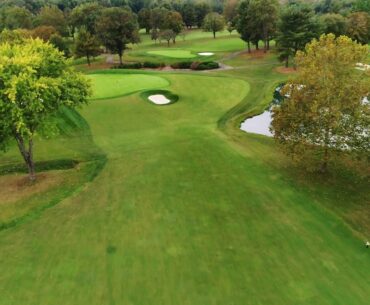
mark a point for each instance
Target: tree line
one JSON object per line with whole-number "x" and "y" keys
{"x": 81, "y": 27}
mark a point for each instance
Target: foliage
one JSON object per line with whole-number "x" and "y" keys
{"x": 201, "y": 10}
{"x": 362, "y": 6}
{"x": 167, "y": 35}
{"x": 52, "y": 16}
{"x": 323, "y": 112}
{"x": 44, "y": 32}
{"x": 86, "y": 45}
{"x": 358, "y": 27}
{"x": 36, "y": 82}
{"x": 214, "y": 22}
{"x": 144, "y": 19}
{"x": 60, "y": 43}
{"x": 296, "y": 28}
{"x": 16, "y": 18}
{"x": 86, "y": 16}
{"x": 244, "y": 23}
{"x": 116, "y": 28}
{"x": 333, "y": 23}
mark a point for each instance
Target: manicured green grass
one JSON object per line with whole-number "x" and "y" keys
{"x": 173, "y": 53}
{"x": 114, "y": 85}
{"x": 188, "y": 209}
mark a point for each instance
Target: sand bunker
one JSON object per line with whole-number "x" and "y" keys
{"x": 159, "y": 99}
{"x": 206, "y": 53}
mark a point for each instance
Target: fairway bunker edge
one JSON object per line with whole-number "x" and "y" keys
{"x": 159, "y": 97}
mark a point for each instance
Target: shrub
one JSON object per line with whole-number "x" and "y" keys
{"x": 182, "y": 65}
{"x": 136, "y": 65}
{"x": 208, "y": 65}
{"x": 153, "y": 65}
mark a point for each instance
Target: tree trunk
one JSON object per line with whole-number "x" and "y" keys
{"x": 268, "y": 44}
{"x": 120, "y": 54}
{"x": 88, "y": 59}
{"x": 287, "y": 62}
{"x": 214, "y": 34}
{"x": 264, "y": 45}
{"x": 27, "y": 155}
{"x": 256, "y": 44}
{"x": 249, "y": 46}
{"x": 324, "y": 164}
{"x": 168, "y": 43}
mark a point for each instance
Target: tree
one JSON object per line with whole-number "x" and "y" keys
{"x": 296, "y": 28}
{"x": 43, "y": 32}
{"x": 358, "y": 27}
{"x": 173, "y": 21}
{"x": 36, "y": 82}
{"x": 265, "y": 18}
{"x": 188, "y": 13}
{"x": 230, "y": 10}
{"x": 201, "y": 10}
{"x": 144, "y": 19}
{"x": 17, "y": 18}
{"x": 324, "y": 112}
{"x": 244, "y": 23}
{"x": 157, "y": 17}
{"x": 167, "y": 35}
{"x": 116, "y": 28}
{"x": 52, "y": 16}
{"x": 214, "y": 22}
{"x": 60, "y": 43}
{"x": 333, "y": 23}
{"x": 14, "y": 37}
{"x": 86, "y": 45}
{"x": 362, "y": 6}
{"x": 86, "y": 15}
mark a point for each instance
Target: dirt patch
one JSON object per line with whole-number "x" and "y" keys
{"x": 255, "y": 54}
{"x": 285, "y": 70}
{"x": 18, "y": 187}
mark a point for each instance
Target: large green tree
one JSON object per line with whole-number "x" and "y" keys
{"x": 86, "y": 45}
{"x": 296, "y": 28}
{"x": 333, "y": 23}
{"x": 52, "y": 16}
{"x": 144, "y": 19}
{"x": 265, "y": 18}
{"x": 244, "y": 23}
{"x": 116, "y": 28}
{"x": 214, "y": 22}
{"x": 35, "y": 82}
{"x": 324, "y": 110}
{"x": 173, "y": 21}
{"x": 16, "y": 18}
{"x": 85, "y": 15}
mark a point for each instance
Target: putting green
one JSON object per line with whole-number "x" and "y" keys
{"x": 173, "y": 53}
{"x": 114, "y": 85}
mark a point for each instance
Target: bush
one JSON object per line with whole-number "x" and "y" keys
{"x": 196, "y": 65}
{"x": 182, "y": 65}
{"x": 153, "y": 65}
{"x": 208, "y": 65}
{"x": 136, "y": 65}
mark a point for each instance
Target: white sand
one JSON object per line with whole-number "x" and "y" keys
{"x": 206, "y": 53}
{"x": 363, "y": 67}
{"x": 159, "y": 99}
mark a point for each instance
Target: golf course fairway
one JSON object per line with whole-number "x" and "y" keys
{"x": 187, "y": 209}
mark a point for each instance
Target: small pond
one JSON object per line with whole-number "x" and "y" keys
{"x": 260, "y": 124}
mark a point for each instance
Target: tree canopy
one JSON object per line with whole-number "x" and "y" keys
{"x": 324, "y": 111}
{"x": 35, "y": 82}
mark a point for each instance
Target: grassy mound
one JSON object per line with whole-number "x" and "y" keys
{"x": 111, "y": 85}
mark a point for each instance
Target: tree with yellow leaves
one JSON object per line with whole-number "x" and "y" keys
{"x": 325, "y": 110}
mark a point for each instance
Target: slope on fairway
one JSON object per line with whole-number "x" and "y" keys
{"x": 178, "y": 216}
{"x": 173, "y": 53}
{"x": 113, "y": 85}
